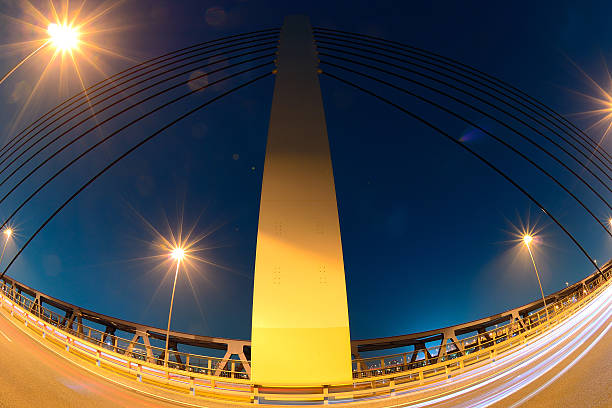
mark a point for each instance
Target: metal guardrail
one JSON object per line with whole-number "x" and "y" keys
{"x": 418, "y": 342}
{"x": 430, "y": 356}
{"x": 182, "y": 361}
{"x": 204, "y": 376}
{"x": 76, "y": 320}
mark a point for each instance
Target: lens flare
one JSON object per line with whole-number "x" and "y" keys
{"x": 70, "y": 42}
{"x": 63, "y": 37}
{"x": 178, "y": 253}
{"x": 600, "y": 101}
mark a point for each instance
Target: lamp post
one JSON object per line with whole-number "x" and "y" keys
{"x": 178, "y": 253}
{"x": 8, "y": 232}
{"x": 527, "y": 239}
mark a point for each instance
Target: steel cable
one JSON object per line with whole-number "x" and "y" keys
{"x": 474, "y": 153}
{"x": 465, "y": 103}
{"x": 90, "y": 106}
{"x": 94, "y": 115}
{"x": 138, "y": 119}
{"x": 492, "y": 96}
{"x": 140, "y": 66}
{"x": 486, "y": 77}
{"x": 121, "y": 157}
{"x": 471, "y": 123}
{"x": 475, "y": 97}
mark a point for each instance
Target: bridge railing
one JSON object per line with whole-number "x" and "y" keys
{"x": 207, "y": 365}
{"x": 428, "y": 356}
{"x": 208, "y": 376}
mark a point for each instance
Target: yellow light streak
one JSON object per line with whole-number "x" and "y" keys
{"x": 8, "y": 74}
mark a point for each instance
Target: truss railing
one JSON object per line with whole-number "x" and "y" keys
{"x": 461, "y": 350}
{"x": 228, "y": 378}
{"x": 220, "y": 367}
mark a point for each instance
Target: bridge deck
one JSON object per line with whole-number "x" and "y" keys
{"x": 37, "y": 371}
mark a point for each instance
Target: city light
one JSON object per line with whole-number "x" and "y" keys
{"x": 68, "y": 40}
{"x": 178, "y": 253}
{"x": 64, "y": 37}
{"x": 8, "y": 232}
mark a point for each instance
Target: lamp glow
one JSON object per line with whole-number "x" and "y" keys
{"x": 178, "y": 253}
{"x": 8, "y": 232}
{"x": 63, "y": 37}
{"x": 527, "y": 239}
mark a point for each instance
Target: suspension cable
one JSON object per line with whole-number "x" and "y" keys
{"x": 138, "y": 67}
{"x": 554, "y": 157}
{"x": 88, "y": 100}
{"x": 110, "y": 136}
{"x": 486, "y": 77}
{"x": 94, "y": 114}
{"x": 124, "y": 155}
{"x": 464, "y": 119}
{"x": 474, "y": 153}
{"x": 486, "y": 93}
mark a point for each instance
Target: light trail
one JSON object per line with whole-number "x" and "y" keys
{"x": 570, "y": 327}
{"x": 5, "y": 336}
{"x": 566, "y": 369}
{"x": 544, "y": 367}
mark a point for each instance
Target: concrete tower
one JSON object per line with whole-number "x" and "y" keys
{"x": 300, "y": 333}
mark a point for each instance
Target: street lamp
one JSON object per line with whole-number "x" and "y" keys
{"x": 527, "y": 239}
{"x": 178, "y": 254}
{"x": 8, "y": 232}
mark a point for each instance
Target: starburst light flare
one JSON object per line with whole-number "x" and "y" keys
{"x": 600, "y": 102}
{"x": 65, "y": 39}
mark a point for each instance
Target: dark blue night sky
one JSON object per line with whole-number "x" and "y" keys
{"x": 427, "y": 229}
